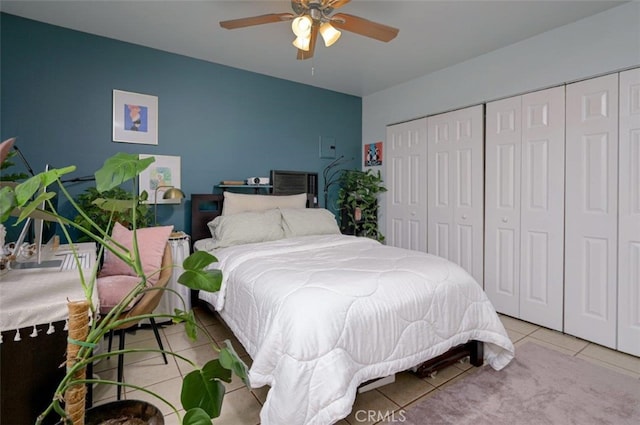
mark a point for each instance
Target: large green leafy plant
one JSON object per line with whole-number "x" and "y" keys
{"x": 202, "y": 389}
{"x": 105, "y": 218}
{"x": 358, "y": 203}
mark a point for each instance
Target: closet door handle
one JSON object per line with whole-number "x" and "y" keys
{"x": 464, "y": 216}
{"x": 505, "y": 219}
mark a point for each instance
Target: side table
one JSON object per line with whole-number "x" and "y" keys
{"x": 180, "y": 244}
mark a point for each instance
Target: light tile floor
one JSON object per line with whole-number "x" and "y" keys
{"x": 242, "y": 406}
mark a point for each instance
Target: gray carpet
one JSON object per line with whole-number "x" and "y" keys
{"x": 540, "y": 386}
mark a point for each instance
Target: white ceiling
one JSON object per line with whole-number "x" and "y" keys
{"x": 433, "y": 34}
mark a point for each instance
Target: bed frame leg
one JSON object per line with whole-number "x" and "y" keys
{"x": 476, "y": 353}
{"x": 473, "y": 349}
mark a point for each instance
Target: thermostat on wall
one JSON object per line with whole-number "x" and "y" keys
{"x": 258, "y": 180}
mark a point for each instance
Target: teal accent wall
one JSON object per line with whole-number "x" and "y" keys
{"x": 225, "y": 123}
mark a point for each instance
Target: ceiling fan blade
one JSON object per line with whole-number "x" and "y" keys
{"x": 364, "y": 27}
{"x": 335, "y": 4}
{"x": 256, "y": 20}
{"x": 302, "y": 55}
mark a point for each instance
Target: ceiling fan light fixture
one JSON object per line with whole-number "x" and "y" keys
{"x": 329, "y": 34}
{"x": 301, "y": 26}
{"x": 302, "y": 43}
{"x": 311, "y": 17}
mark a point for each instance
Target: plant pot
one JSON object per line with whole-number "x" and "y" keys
{"x": 115, "y": 412}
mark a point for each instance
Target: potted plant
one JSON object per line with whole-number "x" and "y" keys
{"x": 202, "y": 389}
{"x": 358, "y": 203}
{"x": 7, "y": 163}
{"x": 105, "y": 218}
{"x": 7, "y": 179}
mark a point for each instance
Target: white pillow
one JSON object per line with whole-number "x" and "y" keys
{"x": 308, "y": 221}
{"x": 238, "y": 202}
{"x": 249, "y": 227}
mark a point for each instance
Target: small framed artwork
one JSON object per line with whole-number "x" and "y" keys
{"x": 373, "y": 154}
{"x": 135, "y": 118}
{"x": 161, "y": 175}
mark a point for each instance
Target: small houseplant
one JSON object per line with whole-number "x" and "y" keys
{"x": 7, "y": 178}
{"x": 358, "y": 203}
{"x": 202, "y": 390}
{"x": 8, "y": 163}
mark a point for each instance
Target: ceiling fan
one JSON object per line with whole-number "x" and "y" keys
{"x": 311, "y": 17}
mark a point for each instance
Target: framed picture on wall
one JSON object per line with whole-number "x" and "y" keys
{"x": 161, "y": 175}
{"x": 135, "y": 118}
{"x": 373, "y": 154}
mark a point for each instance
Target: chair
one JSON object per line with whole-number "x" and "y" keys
{"x": 145, "y": 305}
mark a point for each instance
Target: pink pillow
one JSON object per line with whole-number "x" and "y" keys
{"x": 112, "y": 289}
{"x": 151, "y": 243}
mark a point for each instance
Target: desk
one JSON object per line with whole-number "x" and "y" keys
{"x": 36, "y": 296}
{"x": 33, "y": 310}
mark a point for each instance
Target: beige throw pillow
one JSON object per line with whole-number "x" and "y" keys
{"x": 248, "y": 227}
{"x": 308, "y": 221}
{"x": 235, "y": 203}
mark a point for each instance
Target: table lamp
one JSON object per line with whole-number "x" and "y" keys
{"x": 172, "y": 192}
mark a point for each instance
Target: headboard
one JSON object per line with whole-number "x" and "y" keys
{"x": 205, "y": 207}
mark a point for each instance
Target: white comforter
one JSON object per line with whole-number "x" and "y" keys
{"x": 319, "y": 315}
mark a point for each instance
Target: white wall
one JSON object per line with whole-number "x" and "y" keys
{"x": 606, "y": 42}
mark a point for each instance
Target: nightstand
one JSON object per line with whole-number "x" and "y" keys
{"x": 180, "y": 244}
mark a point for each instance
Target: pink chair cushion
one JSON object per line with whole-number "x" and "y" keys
{"x": 151, "y": 243}
{"x": 112, "y": 289}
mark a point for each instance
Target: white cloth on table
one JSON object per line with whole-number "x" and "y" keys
{"x": 31, "y": 297}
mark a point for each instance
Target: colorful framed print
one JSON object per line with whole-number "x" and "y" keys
{"x": 135, "y": 118}
{"x": 160, "y": 176}
{"x": 373, "y": 154}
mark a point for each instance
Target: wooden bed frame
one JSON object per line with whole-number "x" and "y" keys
{"x": 206, "y": 207}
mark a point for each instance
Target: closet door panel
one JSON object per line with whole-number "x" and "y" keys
{"x": 629, "y": 215}
{"x": 502, "y": 205}
{"x": 455, "y": 164}
{"x": 440, "y": 207}
{"x": 591, "y": 209}
{"x": 542, "y": 208}
{"x": 463, "y": 190}
{"x": 407, "y": 183}
{"x": 468, "y": 190}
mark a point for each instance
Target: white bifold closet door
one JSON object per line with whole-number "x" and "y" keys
{"x": 455, "y": 193}
{"x": 629, "y": 215}
{"x": 591, "y": 224}
{"x": 524, "y": 210}
{"x": 406, "y": 181}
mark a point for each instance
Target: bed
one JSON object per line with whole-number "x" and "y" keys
{"x": 320, "y": 313}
